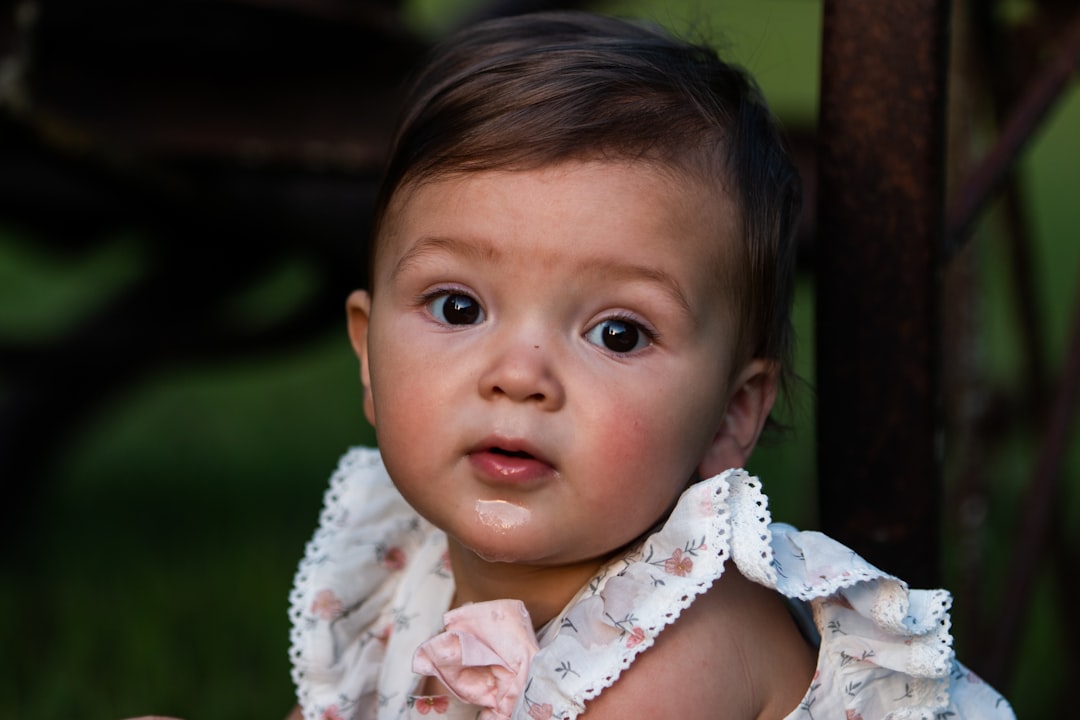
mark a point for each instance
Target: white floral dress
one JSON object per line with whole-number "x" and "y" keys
{"x": 375, "y": 583}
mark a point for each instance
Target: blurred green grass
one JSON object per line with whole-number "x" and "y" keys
{"x": 154, "y": 578}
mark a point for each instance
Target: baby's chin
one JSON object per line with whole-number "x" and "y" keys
{"x": 516, "y": 546}
{"x": 505, "y": 550}
{"x": 523, "y": 550}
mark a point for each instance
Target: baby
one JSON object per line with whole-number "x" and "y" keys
{"x": 575, "y": 330}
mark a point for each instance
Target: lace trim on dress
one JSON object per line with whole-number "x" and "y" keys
{"x": 622, "y": 611}
{"x": 345, "y": 583}
{"x": 885, "y": 650}
{"x": 751, "y": 538}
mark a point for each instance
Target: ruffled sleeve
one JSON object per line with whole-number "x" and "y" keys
{"x": 885, "y": 650}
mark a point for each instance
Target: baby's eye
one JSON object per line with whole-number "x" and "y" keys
{"x": 455, "y": 309}
{"x": 618, "y": 336}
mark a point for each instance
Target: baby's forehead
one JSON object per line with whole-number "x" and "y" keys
{"x": 690, "y": 216}
{"x": 689, "y": 182}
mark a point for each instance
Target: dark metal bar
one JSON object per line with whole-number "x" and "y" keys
{"x": 1024, "y": 89}
{"x": 1037, "y": 520}
{"x": 999, "y": 55}
{"x": 881, "y": 221}
{"x": 1017, "y": 131}
{"x": 965, "y": 391}
{"x": 1029, "y": 321}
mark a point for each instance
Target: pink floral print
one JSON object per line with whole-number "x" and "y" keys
{"x": 678, "y": 564}
{"x": 622, "y": 609}
{"x": 326, "y": 606}
{"x": 332, "y": 713}
{"x": 392, "y": 558}
{"x": 541, "y": 712}
{"x": 438, "y": 704}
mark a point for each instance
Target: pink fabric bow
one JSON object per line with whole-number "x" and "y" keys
{"x": 483, "y": 656}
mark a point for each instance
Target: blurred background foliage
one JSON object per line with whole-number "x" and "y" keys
{"x": 148, "y": 568}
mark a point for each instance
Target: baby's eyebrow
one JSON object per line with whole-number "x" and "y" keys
{"x": 478, "y": 249}
{"x": 432, "y": 244}
{"x": 614, "y": 269}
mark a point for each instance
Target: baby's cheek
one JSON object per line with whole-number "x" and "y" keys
{"x": 626, "y": 439}
{"x": 666, "y": 441}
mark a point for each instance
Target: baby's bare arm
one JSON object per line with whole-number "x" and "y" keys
{"x": 735, "y": 654}
{"x": 296, "y": 714}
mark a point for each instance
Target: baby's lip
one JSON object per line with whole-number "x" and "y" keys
{"x": 510, "y": 447}
{"x": 511, "y": 463}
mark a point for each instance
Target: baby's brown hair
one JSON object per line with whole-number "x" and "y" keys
{"x": 530, "y": 91}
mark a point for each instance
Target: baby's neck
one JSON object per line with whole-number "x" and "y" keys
{"x": 545, "y": 590}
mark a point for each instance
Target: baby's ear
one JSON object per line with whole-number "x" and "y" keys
{"x": 752, "y": 396}
{"x": 358, "y": 309}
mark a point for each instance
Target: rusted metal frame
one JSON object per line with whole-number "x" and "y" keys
{"x": 236, "y": 83}
{"x": 1038, "y": 517}
{"x": 1001, "y": 53}
{"x": 1021, "y": 125}
{"x": 983, "y": 65}
{"x": 1029, "y": 322}
{"x": 962, "y": 385}
{"x": 218, "y": 230}
{"x": 881, "y": 222}
{"x": 987, "y": 76}
{"x": 1020, "y": 115}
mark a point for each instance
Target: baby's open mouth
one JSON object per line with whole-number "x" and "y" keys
{"x": 511, "y": 460}
{"x": 511, "y": 453}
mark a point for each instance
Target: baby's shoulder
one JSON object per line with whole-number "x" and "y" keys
{"x": 734, "y": 653}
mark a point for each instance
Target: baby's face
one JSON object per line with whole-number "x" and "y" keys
{"x": 547, "y": 353}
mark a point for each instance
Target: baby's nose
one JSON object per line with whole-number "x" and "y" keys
{"x": 523, "y": 372}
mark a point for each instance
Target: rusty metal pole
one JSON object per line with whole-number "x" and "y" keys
{"x": 880, "y": 240}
